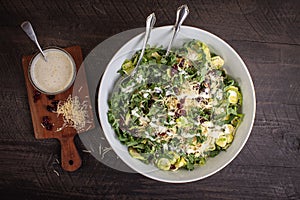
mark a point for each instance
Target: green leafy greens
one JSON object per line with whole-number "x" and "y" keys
{"x": 176, "y": 111}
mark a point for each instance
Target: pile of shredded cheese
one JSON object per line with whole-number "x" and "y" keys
{"x": 74, "y": 113}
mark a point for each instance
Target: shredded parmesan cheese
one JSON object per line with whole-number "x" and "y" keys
{"x": 74, "y": 113}
{"x": 86, "y": 151}
{"x": 105, "y": 150}
{"x": 56, "y": 172}
{"x": 79, "y": 90}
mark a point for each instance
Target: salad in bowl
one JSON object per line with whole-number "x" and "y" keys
{"x": 175, "y": 111}
{"x": 177, "y": 118}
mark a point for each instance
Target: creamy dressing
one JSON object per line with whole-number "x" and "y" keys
{"x": 56, "y": 74}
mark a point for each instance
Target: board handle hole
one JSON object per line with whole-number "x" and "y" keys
{"x": 71, "y": 162}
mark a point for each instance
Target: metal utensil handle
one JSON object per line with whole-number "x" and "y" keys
{"x": 182, "y": 13}
{"x": 151, "y": 19}
{"x": 27, "y": 28}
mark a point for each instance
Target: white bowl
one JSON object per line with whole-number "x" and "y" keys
{"x": 234, "y": 66}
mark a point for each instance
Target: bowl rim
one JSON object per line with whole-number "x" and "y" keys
{"x": 253, "y": 98}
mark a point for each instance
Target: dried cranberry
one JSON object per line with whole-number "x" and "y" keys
{"x": 161, "y": 134}
{"x": 175, "y": 67}
{"x": 50, "y": 97}
{"x": 45, "y": 119}
{"x": 172, "y": 167}
{"x": 176, "y": 90}
{"x": 36, "y": 96}
{"x": 53, "y": 108}
{"x": 202, "y": 120}
{"x": 182, "y": 112}
{"x": 49, "y": 126}
{"x": 54, "y": 102}
{"x": 198, "y": 99}
{"x": 46, "y": 123}
{"x": 181, "y": 63}
{"x": 122, "y": 124}
{"x": 177, "y": 115}
{"x": 179, "y": 106}
{"x": 173, "y": 71}
{"x": 50, "y": 108}
{"x": 150, "y": 102}
{"x": 201, "y": 87}
{"x": 182, "y": 101}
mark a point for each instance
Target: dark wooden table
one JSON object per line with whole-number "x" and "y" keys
{"x": 266, "y": 34}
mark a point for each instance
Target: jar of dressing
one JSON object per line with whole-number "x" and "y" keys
{"x": 55, "y": 75}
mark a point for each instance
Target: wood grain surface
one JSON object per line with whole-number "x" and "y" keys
{"x": 265, "y": 33}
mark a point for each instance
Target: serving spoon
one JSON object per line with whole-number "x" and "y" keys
{"x": 182, "y": 13}
{"x": 150, "y": 21}
{"x": 27, "y": 28}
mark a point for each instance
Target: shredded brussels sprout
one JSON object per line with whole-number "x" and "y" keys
{"x": 176, "y": 111}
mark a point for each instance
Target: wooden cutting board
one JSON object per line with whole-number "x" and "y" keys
{"x": 70, "y": 159}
